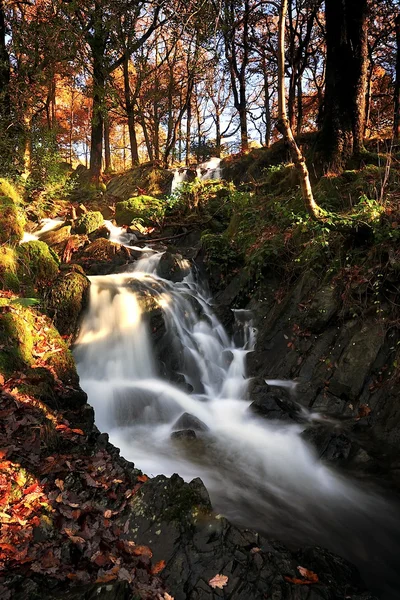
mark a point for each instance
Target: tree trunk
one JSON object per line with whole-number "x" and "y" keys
{"x": 188, "y": 126}
{"x": 396, "y": 121}
{"x": 5, "y": 69}
{"x": 107, "y": 146}
{"x": 299, "y": 105}
{"x": 129, "y": 107}
{"x": 312, "y": 207}
{"x": 97, "y": 125}
{"x": 267, "y": 107}
{"x": 346, "y": 76}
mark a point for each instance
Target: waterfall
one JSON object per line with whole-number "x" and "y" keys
{"x": 208, "y": 170}
{"x": 258, "y": 472}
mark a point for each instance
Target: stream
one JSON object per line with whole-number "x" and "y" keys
{"x": 258, "y": 473}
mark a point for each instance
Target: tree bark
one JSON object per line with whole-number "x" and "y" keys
{"x": 129, "y": 107}
{"x": 346, "y": 77}
{"x": 107, "y": 145}
{"x": 315, "y": 212}
{"x": 97, "y": 125}
{"x": 396, "y": 120}
{"x": 5, "y": 69}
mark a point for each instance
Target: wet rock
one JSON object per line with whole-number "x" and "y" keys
{"x": 333, "y": 445}
{"x": 188, "y": 421}
{"x": 102, "y": 257}
{"x": 184, "y": 435}
{"x": 175, "y": 519}
{"x": 101, "y": 232}
{"x": 170, "y": 267}
{"x": 273, "y": 403}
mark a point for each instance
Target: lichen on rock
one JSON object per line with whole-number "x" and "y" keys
{"x": 66, "y": 300}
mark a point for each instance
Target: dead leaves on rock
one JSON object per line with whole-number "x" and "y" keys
{"x": 69, "y": 502}
{"x": 309, "y": 577}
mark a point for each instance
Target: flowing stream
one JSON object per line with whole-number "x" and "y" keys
{"x": 258, "y": 473}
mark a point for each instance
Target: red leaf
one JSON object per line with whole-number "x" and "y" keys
{"x": 158, "y": 567}
{"x": 218, "y": 581}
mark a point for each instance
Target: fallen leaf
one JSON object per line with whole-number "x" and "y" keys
{"x": 142, "y": 551}
{"x": 142, "y": 478}
{"x": 218, "y": 581}
{"x": 158, "y": 567}
{"x": 363, "y": 411}
{"x": 309, "y": 577}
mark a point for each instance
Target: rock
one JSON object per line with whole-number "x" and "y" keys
{"x": 37, "y": 264}
{"x": 88, "y": 222}
{"x": 187, "y": 421}
{"x": 184, "y": 435}
{"x": 101, "y": 257}
{"x": 150, "y": 210}
{"x": 272, "y": 403}
{"x": 357, "y": 360}
{"x": 170, "y": 267}
{"x": 56, "y": 236}
{"x": 12, "y": 220}
{"x": 153, "y": 179}
{"x": 332, "y": 445}
{"x": 324, "y": 305}
{"x": 101, "y": 232}
{"x": 67, "y": 298}
{"x": 8, "y": 269}
{"x": 175, "y": 519}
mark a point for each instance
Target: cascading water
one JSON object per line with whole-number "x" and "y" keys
{"x": 258, "y": 473}
{"x": 208, "y": 170}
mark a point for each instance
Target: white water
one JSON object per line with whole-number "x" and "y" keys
{"x": 46, "y": 225}
{"x": 208, "y": 170}
{"x": 258, "y": 472}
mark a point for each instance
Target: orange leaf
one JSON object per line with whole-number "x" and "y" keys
{"x": 310, "y": 577}
{"x": 142, "y": 478}
{"x": 158, "y": 567}
{"x": 218, "y": 581}
{"x": 78, "y": 431}
{"x": 142, "y": 551}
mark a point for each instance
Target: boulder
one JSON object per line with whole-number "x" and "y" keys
{"x": 38, "y": 264}
{"x": 185, "y": 435}
{"x": 188, "y": 421}
{"x": 101, "y": 257}
{"x": 67, "y": 298}
{"x": 146, "y": 208}
{"x": 88, "y": 222}
{"x": 273, "y": 403}
{"x": 12, "y": 220}
{"x": 170, "y": 267}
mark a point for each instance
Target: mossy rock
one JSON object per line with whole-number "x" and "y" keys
{"x": 67, "y": 299}
{"x": 8, "y": 269}
{"x": 102, "y": 257}
{"x": 12, "y": 221}
{"x": 89, "y": 222}
{"x": 37, "y": 264}
{"x": 156, "y": 182}
{"x": 150, "y": 210}
{"x": 17, "y": 330}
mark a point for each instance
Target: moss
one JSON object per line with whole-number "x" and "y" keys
{"x": 61, "y": 362}
{"x": 37, "y": 264}
{"x": 67, "y": 298}
{"x": 12, "y": 221}
{"x": 8, "y": 269}
{"x": 17, "y": 326}
{"x": 150, "y": 210}
{"x": 89, "y": 222}
{"x": 156, "y": 182}
{"x": 9, "y": 190}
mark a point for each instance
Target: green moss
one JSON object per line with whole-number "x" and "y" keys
{"x": 9, "y": 190}
{"x": 37, "y": 264}
{"x": 8, "y": 269}
{"x": 66, "y": 300}
{"x": 150, "y": 210}
{"x": 12, "y": 221}
{"x": 89, "y": 222}
{"x": 17, "y": 326}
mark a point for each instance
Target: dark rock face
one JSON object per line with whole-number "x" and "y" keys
{"x": 175, "y": 519}
{"x": 184, "y": 435}
{"x": 273, "y": 403}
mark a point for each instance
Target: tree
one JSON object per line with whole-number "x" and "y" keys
{"x": 342, "y": 134}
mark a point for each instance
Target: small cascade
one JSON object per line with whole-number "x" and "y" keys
{"x": 46, "y": 225}
{"x": 208, "y": 170}
{"x": 259, "y": 473}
